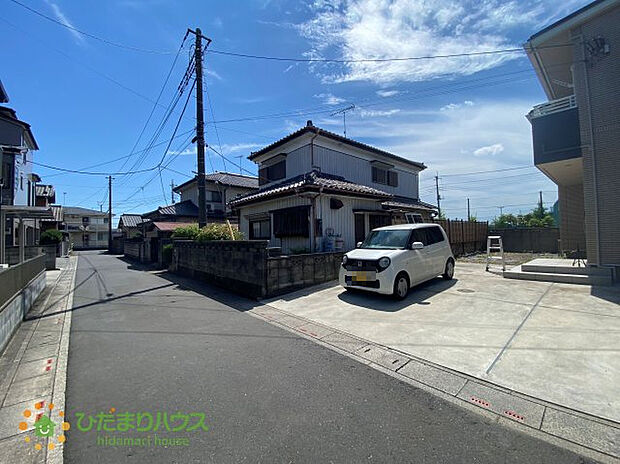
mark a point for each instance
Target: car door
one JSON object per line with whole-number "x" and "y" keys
{"x": 418, "y": 260}
{"x": 436, "y": 250}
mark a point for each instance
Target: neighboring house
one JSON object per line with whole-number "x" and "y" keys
{"x": 128, "y": 225}
{"x": 184, "y": 211}
{"x": 56, "y": 222}
{"x": 87, "y": 228}
{"x": 221, "y": 188}
{"x": 17, "y": 145}
{"x": 576, "y": 134}
{"x": 45, "y": 195}
{"x": 320, "y": 191}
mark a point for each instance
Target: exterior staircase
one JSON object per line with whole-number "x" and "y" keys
{"x": 562, "y": 271}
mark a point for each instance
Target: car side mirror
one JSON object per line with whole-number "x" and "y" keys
{"x": 417, "y": 246}
{"x": 358, "y": 245}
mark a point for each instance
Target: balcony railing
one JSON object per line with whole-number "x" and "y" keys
{"x": 553, "y": 106}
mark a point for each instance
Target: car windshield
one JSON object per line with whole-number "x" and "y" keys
{"x": 387, "y": 239}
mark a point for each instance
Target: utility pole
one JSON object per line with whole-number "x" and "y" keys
{"x": 110, "y": 214}
{"x": 438, "y": 196}
{"x": 172, "y": 191}
{"x": 239, "y": 156}
{"x": 540, "y": 200}
{"x": 501, "y": 210}
{"x": 468, "y": 213}
{"x": 200, "y": 128}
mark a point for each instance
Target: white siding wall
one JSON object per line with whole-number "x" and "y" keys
{"x": 191, "y": 193}
{"x": 352, "y": 164}
{"x": 342, "y": 220}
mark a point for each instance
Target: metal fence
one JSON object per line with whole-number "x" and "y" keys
{"x": 15, "y": 278}
{"x": 465, "y": 236}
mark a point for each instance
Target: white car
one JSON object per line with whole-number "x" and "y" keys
{"x": 392, "y": 259}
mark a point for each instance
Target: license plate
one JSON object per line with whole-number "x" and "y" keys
{"x": 363, "y": 276}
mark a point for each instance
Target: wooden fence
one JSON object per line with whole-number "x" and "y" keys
{"x": 465, "y": 236}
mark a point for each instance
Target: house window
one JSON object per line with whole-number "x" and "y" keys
{"x": 260, "y": 229}
{"x": 216, "y": 196}
{"x": 414, "y": 218}
{"x": 270, "y": 173}
{"x": 384, "y": 176}
{"x": 102, "y": 236}
{"x": 291, "y": 222}
{"x": 86, "y": 220}
{"x": 105, "y": 220}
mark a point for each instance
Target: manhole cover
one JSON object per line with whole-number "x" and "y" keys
{"x": 465, "y": 290}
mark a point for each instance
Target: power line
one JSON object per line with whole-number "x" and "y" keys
{"x": 287, "y": 59}
{"x": 87, "y": 34}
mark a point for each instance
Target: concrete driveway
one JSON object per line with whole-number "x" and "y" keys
{"x": 556, "y": 342}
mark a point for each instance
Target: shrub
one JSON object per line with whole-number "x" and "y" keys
{"x": 218, "y": 232}
{"x": 189, "y": 232}
{"x": 166, "y": 253}
{"x": 51, "y": 237}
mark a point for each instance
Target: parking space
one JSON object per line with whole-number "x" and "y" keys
{"x": 557, "y": 342}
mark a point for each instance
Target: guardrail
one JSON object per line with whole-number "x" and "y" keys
{"x": 553, "y": 106}
{"x": 15, "y": 278}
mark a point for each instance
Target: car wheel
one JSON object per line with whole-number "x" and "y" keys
{"x": 401, "y": 287}
{"x": 448, "y": 273}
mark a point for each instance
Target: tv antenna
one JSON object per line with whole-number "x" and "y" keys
{"x": 343, "y": 111}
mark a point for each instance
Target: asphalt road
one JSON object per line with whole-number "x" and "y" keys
{"x": 144, "y": 342}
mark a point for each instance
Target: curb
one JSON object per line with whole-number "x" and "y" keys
{"x": 580, "y": 432}
{"x": 56, "y": 456}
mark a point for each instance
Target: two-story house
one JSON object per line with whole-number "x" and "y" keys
{"x": 221, "y": 188}
{"x": 320, "y": 191}
{"x": 576, "y": 134}
{"x": 17, "y": 181}
{"x": 87, "y": 228}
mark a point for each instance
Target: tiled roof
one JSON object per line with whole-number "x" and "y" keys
{"x": 225, "y": 178}
{"x": 131, "y": 220}
{"x": 408, "y": 204}
{"x": 183, "y": 208}
{"x": 313, "y": 180}
{"x": 337, "y": 137}
{"x": 168, "y": 226}
{"x": 77, "y": 211}
{"x": 42, "y": 190}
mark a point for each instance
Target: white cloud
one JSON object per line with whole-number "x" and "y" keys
{"x": 213, "y": 74}
{"x": 236, "y": 147}
{"x": 491, "y": 150}
{"x": 330, "y": 99}
{"x": 362, "y": 29}
{"x": 375, "y": 113}
{"x": 454, "y": 106}
{"x": 387, "y": 93}
{"x": 60, "y": 16}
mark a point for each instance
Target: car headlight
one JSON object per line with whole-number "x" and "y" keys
{"x": 384, "y": 262}
{"x": 344, "y": 260}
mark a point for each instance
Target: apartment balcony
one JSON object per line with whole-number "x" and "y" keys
{"x": 557, "y": 140}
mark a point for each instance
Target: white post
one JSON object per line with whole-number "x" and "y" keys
{"x": 22, "y": 240}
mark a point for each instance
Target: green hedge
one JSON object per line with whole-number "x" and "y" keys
{"x": 50, "y": 237}
{"x": 207, "y": 233}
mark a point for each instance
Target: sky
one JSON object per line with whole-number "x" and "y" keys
{"x": 92, "y": 101}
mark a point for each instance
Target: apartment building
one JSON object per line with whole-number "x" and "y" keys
{"x": 576, "y": 134}
{"x": 87, "y": 228}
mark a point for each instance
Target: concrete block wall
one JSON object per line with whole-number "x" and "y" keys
{"x": 238, "y": 265}
{"x": 288, "y": 273}
{"x": 134, "y": 249}
{"x": 12, "y": 254}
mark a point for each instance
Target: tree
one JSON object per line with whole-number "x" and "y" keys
{"x": 50, "y": 237}
{"x": 538, "y": 217}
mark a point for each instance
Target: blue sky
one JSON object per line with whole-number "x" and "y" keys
{"x": 88, "y": 101}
